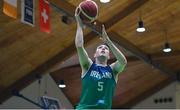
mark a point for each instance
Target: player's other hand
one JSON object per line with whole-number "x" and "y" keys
{"x": 105, "y": 37}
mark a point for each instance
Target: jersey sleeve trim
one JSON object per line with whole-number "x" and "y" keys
{"x": 83, "y": 75}
{"x": 113, "y": 74}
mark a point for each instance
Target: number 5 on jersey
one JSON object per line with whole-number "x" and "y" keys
{"x": 100, "y": 86}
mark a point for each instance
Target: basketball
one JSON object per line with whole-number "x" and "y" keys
{"x": 88, "y": 10}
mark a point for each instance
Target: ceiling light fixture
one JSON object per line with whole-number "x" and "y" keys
{"x": 104, "y": 1}
{"x": 62, "y": 84}
{"x": 167, "y": 48}
{"x": 140, "y": 27}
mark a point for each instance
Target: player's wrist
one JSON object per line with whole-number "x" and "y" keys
{"x": 108, "y": 41}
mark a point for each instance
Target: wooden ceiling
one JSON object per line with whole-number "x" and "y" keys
{"x": 25, "y": 51}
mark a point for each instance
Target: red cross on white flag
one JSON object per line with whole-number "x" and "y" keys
{"x": 44, "y": 16}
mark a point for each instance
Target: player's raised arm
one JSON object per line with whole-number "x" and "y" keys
{"x": 121, "y": 62}
{"x": 84, "y": 60}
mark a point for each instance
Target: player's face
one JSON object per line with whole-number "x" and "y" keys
{"x": 102, "y": 50}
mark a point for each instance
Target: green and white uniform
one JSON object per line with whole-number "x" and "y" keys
{"x": 98, "y": 85}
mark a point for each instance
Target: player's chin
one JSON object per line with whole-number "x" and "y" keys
{"x": 104, "y": 55}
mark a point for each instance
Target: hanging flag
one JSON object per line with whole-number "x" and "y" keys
{"x": 10, "y": 8}
{"x": 44, "y": 16}
{"x": 27, "y": 12}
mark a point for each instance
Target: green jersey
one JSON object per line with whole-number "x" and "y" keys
{"x": 98, "y": 86}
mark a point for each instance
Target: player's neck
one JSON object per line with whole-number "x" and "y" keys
{"x": 101, "y": 62}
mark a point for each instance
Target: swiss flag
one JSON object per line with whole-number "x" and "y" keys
{"x": 44, "y": 16}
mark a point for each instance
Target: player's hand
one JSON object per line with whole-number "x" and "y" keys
{"x": 78, "y": 19}
{"x": 105, "y": 37}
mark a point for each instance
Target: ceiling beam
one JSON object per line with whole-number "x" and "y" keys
{"x": 156, "y": 56}
{"x": 129, "y": 59}
{"x": 140, "y": 54}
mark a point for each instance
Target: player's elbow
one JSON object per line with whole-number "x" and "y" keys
{"x": 123, "y": 65}
{"x": 125, "y": 61}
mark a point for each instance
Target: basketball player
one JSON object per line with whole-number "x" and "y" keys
{"x": 98, "y": 79}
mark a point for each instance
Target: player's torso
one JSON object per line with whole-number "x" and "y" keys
{"x": 98, "y": 86}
